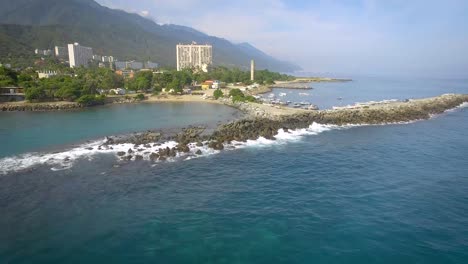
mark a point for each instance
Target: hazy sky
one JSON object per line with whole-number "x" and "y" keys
{"x": 410, "y": 37}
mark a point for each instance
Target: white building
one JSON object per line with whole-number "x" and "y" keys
{"x": 43, "y": 52}
{"x": 46, "y": 74}
{"x": 97, "y": 57}
{"x": 194, "y": 56}
{"x": 79, "y": 55}
{"x": 61, "y": 52}
{"x": 108, "y": 59}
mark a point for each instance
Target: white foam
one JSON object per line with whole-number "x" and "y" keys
{"x": 283, "y": 137}
{"x": 66, "y": 159}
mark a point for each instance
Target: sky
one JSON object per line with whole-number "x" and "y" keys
{"x": 380, "y": 37}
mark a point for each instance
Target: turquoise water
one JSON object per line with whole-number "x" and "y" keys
{"x": 370, "y": 194}
{"x": 32, "y": 131}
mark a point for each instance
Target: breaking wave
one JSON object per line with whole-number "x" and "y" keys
{"x": 65, "y": 159}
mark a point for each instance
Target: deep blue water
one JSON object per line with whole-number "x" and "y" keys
{"x": 372, "y": 194}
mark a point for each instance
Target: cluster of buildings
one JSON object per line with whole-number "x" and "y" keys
{"x": 193, "y": 56}
{"x": 78, "y": 55}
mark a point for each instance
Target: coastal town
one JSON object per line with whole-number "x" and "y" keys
{"x": 110, "y": 80}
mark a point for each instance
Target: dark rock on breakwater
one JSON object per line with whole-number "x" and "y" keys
{"x": 243, "y": 130}
{"x": 38, "y": 107}
{"x": 255, "y": 127}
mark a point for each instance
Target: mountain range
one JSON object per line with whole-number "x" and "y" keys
{"x": 29, "y": 24}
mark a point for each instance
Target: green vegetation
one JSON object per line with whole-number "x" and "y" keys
{"x": 91, "y": 100}
{"x": 71, "y": 86}
{"x": 176, "y": 80}
{"x": 83, "y": 84}
{"x": 217, "y": 94}
{"x": 140, "y": 97}
{"x": 7, "y": 77}
{"x": 238, "y": 96}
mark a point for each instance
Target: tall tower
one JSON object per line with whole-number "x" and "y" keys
{"x": 252, "y": 70}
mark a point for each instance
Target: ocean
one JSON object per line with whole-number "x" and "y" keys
{"x": 327, "y": 194}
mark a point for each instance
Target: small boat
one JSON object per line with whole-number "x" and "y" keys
{"x": 340, "y": 98}
{"x": 297, "y": 105}
{"x": 312, "y": 107}
{"x": 305, "y": 103}
{"x": 271, "y": 95}
{"x": 282, "y": 94}
{"x": 304, "y": 94}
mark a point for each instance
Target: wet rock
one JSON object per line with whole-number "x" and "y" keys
{"x": 183, "y": 148}
{"x": 154, "y": 156}
{"x": 199, "y": 144}
{"x": 130, "y": 151}
{"x": 199, "y": 152}
{"x": 173, "y": 152}
{"x": 217, "y": 145}
{"x": 138, "y": 157}
{"x": 129, "y": 157}
{"x": 121, "y": 153}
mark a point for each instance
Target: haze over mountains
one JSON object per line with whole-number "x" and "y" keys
{"x": 29, "y": 24}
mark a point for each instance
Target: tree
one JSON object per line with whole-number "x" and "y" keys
{"x": 90, "y": 100}
{"x": 217, "y": 94}
{"x": 140, "y": 97}
{"x": 8, "y": 77}
{"x": 236, "y": 92}
{"x": 143, "y": 80}
{"x": 35, "y": 94}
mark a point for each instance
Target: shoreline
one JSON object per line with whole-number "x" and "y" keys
{"x": 159, "y": 145}
{"x": 253, "y": 128}
{"x": 297, "y": 84}
{"x": 24, "y": 106}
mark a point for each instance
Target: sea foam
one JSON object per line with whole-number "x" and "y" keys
{"x": 65, "y": 159}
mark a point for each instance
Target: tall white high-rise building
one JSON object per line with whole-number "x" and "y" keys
{"x": 194, "y": 56}
{"x": 79, "y": 55}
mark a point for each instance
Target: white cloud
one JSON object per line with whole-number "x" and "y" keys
{"x": 324, "y": 35}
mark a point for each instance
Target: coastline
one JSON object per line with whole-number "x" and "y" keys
{"x": 253, "y": 128}
{"x": 297, "y": 84}
{"x": 157, "y": 145}
{"x": 24, "y": 106}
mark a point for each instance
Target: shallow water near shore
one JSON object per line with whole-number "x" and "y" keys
{"x": 326, "y": 194}
{"x": 22, "y": 132}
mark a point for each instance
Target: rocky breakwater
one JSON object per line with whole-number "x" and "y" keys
{"x": 394, "y": 112}
{"x": 162, "y": 145}
{"x": 38, "y": 107}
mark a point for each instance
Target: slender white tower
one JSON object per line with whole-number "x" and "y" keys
{"x": 252, "y": 70}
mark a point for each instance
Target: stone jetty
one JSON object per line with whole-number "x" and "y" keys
{"x": 38, "y": 107}
{"x": 253, "y": 127}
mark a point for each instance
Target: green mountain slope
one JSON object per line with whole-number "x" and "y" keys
{"x": 29, "y": 24}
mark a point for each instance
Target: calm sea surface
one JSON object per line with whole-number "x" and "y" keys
{"x": 370, "y": 194}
